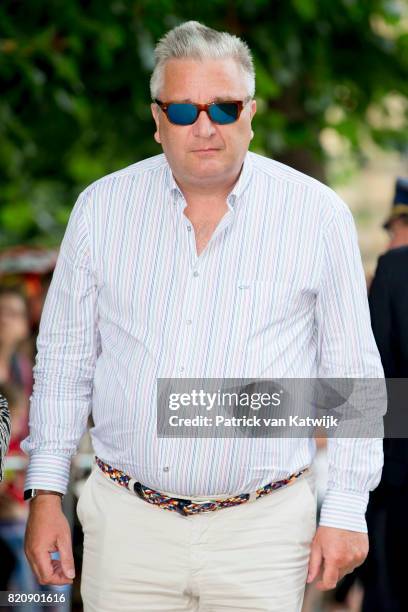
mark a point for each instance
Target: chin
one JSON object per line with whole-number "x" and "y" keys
{"x": 207, "y": 167}
{"x": 208, "y": 176}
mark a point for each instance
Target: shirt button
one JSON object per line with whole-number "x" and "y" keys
{"x": 166, "y": 468}
{"x": 195, "y": 273}
{"x": 189, "y": 228}
{"x": 189, "y": 322}
{"x": 181, "y": 368}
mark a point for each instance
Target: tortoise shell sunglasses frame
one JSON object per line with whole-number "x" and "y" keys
{"x": 222, "y": 113}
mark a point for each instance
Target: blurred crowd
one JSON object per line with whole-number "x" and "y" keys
{"x": 18, "y": 330}
{"x": 16, "y": 381}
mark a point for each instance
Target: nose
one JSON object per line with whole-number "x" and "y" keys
{"x": 203, "y": 127}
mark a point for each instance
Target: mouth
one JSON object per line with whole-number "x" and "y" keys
{"x": 207, "y": 150}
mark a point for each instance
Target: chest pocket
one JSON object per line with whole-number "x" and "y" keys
{"x": 268, "y": 303}
{"x": 262, "y": 308}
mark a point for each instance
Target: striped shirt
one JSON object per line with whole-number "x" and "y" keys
{"x": 279, "y": 291}
{"x": 5, "y": 428}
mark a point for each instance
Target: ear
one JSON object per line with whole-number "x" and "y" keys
{"x": 253, "y": 108}
{"x": 155, "y": 112}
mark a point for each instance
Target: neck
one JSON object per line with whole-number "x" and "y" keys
{"x": 205, "y": 191}
{"x": 205, "y": 196}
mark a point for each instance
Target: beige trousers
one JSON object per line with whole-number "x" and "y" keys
{"x": 139, "y": 557}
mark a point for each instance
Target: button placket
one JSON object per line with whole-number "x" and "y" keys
{"x": 188, "y": 309}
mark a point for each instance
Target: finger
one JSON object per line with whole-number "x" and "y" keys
{"x": 315, "y": 562}
{"x": 41, "y": 561}
{"x": 55, "y": 578}
{"x": 66, "y": 557}
{"x": 59, "y": 574}
{"x": 56, "y": 565}
{"x": 330, "y": 577}
{"x": 36, "y": 570}
{"x": 46, "y": 571}
{"x": 346, "y": 570}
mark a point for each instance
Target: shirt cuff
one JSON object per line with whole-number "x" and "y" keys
{"x": 344, "y": 510}
{"x": 49, "y": 472}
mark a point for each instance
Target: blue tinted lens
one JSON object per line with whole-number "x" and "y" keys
{"x": 182, "y": 114}
{"x": 226, "y": 112}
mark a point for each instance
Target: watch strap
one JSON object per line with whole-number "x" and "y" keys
{"x": 31, "y": 493}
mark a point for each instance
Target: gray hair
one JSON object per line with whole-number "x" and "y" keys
{"x": 195, "y": 40}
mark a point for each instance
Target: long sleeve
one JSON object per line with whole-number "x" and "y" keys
{"x": 347, "y": 349}
{"x": 4, "y": 432}
{"x": 67, "y": 347}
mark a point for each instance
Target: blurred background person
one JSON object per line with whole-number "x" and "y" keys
{"x": 383, "y": 573}
{"x": 397, "y": 222}
{"x": 18, "y": 316}
{"x": 13, "y": 509}
{"x": 6, "y": 555}
{"x": 16, "y": 383}
{"x": 15, "y": 571}
{"x": 15, "y": 364}
{"x": 18, "y": 407}
{"x": 388, "y": 299}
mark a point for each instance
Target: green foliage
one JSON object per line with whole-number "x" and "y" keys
{"x": 75, "y": 88}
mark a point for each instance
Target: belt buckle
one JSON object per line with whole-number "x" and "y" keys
{"x": 135, "y": 487}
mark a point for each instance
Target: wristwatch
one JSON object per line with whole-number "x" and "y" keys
{"x": 31, "y": 493}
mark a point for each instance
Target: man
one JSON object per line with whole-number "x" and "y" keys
{"x": 207, "y": 261}
{"x": 383, "y": 574}
{"x": 397, "y": 222}
{"x": 388, "y": 292}
{"x": 385, "y": 296}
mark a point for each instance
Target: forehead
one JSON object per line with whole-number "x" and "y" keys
{"x": 203, "y": 80}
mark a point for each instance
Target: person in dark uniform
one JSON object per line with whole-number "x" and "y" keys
{"x": 383, "y": 573}
{"x": 389, "y": 316}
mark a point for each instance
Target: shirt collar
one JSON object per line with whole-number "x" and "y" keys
{"x": 171, "y": 184}
{"x": 233, "y": 196}
{"x": 242, "y": 182}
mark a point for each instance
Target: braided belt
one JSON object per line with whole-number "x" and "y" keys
{"x": 187, "y": 506}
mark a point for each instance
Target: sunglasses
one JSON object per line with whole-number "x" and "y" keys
{"x": 223, "y": 113}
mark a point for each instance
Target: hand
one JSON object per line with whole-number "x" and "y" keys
{"x": 336, "y": 552}
{"x": 48, "y": 531}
